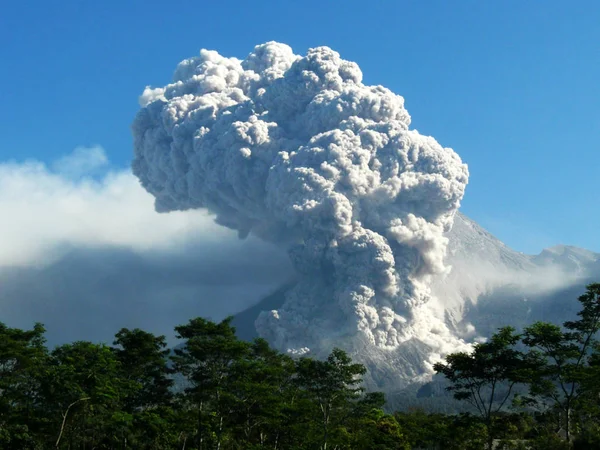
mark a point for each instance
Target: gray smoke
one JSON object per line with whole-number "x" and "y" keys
{"x": 297, "y": 151}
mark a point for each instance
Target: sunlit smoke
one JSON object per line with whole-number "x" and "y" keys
{"x": 296, "y": 150}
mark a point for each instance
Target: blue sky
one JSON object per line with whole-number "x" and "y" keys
{"x": 512, "y": 86}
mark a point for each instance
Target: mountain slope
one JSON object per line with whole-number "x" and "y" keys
{"x": 490, "y": 285}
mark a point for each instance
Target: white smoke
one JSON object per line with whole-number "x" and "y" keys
{"x": 299, "y": 152}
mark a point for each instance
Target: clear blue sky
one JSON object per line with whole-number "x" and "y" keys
{"x": 512, "y": 85}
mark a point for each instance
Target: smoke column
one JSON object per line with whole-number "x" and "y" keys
{"x": 298, "y": 152}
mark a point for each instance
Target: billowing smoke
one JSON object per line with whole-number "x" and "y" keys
{"x": 296, "y": 150}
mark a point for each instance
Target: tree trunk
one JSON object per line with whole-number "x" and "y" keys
{"x": 568, "y": 422}
{"x": 220, "y": 432}
{"x": 199, "y": 427}
{"x": 64, "y": 421}
{"x": 325, "y": 429}
{"x": 218, "y": 408}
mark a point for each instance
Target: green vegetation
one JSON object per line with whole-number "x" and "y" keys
{"x": 237, "y": 395}
{"x": 556, "y": 366}
{"x": 539, "y": 390}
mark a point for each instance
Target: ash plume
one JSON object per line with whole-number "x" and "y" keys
{"x": 297, "y": 151}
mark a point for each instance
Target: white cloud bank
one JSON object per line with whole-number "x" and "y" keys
{"x": 75, "y": 230}
{"x": 45, "y": 209}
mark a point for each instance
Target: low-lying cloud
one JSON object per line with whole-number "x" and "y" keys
{"x": 83, "y": 251}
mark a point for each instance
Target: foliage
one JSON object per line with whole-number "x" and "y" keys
{"x": 486, "y": 376}
{"x": 560, "y": 358}
{"x": 246, "y": 395}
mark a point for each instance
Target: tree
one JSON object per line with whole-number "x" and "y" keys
{"x": 261, "y": 388}
{"x": 143, "y": 363}
{"x": 206, "y": 360}
{"x": 588, "y": 404}
{"x": 561, "y": 357}
{"x": 143, "y": 359}
{"x": 22, "y": 356}
{"x": 485, "y": 377}
{"x": 378, "y": 431}
{"x": 332, "y": 385}
{"x": 82, "y": 391}
{"x": 442, "y": 432}
{"x": 368, "y": 426}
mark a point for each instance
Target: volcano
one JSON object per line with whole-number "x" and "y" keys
{"x": 489, "y": 286}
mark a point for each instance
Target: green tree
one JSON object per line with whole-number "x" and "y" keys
{"x": 378, "y": 431}
{"x": 485, "y": 377}
{"x": 83, "y": 393}
{"x": 144, "y": 364}
{"x": 261, "y": 389}
{"x": 589, "y": 404}
{"x": 425, "y": 430}
{"x": 442, "y": 432}
{"x": 22, "y": 356}
{"x": 207, "y": 361}
{"x": 368, "y": 426}
{"x": 331, "y": 385}
{"x": 143, "y": 359}
{"x": 561, "y": 357}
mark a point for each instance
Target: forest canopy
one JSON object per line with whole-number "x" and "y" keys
{"x": 538, "y": 389}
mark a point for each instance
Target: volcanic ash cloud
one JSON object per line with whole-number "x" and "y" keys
{"x": 298, "y": 151}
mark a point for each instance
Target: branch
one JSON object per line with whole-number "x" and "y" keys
{"x": 62, "y": 426}
{"x": 506, "y": 397}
